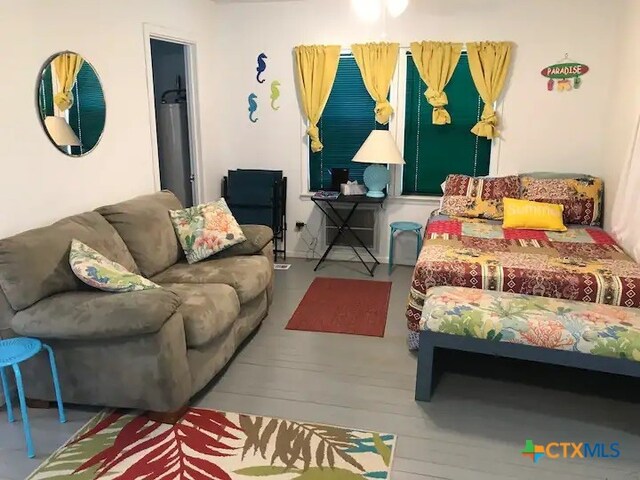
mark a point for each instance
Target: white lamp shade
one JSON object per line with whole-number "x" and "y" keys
{"x": 60, "y": 132}
{"x": 379, "y": 147}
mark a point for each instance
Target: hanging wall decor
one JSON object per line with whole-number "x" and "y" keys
{"x": 275, "y": 94}
{"x": 253, "y": 106}
{"x": 262, "y": 66}
{"x": 564, "y": 75}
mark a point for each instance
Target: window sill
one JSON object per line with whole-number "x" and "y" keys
{"x": 396, "y": 199}
{"x": 415, "y": 200}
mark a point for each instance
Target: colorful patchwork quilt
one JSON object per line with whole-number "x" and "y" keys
{"x": 583, "y": 263}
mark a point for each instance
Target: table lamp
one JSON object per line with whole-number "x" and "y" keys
{"x": 379, "y": 149}
{"x": 60, "y": 132}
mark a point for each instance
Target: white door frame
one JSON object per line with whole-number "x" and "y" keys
{"x": 158, "y": 32}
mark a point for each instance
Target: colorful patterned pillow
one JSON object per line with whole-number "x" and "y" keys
{"x": 99, "y": 272}
{"x": 206, "y": 229}
{"x": 478, "y": 197}
{"x": 581, "y": 196}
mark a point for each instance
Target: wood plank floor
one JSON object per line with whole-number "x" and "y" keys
{"x": 473, "y": 429}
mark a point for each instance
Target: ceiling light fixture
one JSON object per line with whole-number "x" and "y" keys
{"x": 397, "y": 7}
{"x": 371, "y": 10}
{"x": 367, "y": 10}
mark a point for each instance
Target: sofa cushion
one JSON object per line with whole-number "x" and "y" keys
{"x": 204, "y": 230}
{"x": 208, "y": 310}
{"x": 99, "y": 272}
{"x": 35, "y": 264}
{"x": 6, "y": 314}
{"x": 554, "y": 323}
{"x": 96, "y": 315}
{"x": 257, "y": 238}
{"x": 248, "y": 275}
{"x": 144, "y": 225}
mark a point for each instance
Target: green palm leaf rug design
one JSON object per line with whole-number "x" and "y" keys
{"x": 207, "y": 445}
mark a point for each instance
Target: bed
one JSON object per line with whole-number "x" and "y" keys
{"x": 583, "y": 263}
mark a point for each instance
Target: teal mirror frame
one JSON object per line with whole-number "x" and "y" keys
{"x": 85, "y": 118}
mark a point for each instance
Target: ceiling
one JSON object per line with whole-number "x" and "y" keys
{"x": 254, "y": 1}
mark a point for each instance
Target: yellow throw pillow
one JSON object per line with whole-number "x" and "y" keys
{"x": 533, "y": 215}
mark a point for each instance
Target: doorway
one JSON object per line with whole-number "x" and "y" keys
{"x": 174, "y": 137}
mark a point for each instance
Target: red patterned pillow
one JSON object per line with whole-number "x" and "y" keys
{"x": 581, "y": 196}
{"x": 478, "y": 197}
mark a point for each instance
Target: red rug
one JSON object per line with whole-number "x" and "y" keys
{"x": 336, "y": 305}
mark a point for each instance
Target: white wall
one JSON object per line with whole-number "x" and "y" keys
{"x": 541, "y": 130}
{"x": 39, "y": 184}
{"x": 624, "y": 111}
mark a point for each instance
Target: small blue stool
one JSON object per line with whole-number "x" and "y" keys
{"x": 404, "y": 227}
{"x": 12, "y": 352}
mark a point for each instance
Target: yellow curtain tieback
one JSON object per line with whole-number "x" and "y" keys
{"x": 383, "y": 110}
{"x": 440, "y": 116}
{"x": 486, "y": 127}
{"x": 314, "y": 136}
{"x": 63, "y": 100}
{"x": 436, "y": 98}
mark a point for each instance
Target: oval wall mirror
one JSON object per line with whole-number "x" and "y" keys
{"x": 71, "y": 103}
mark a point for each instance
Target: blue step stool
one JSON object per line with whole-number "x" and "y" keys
{"x": 12, "y": 352}
{"x": 404, "y": 227}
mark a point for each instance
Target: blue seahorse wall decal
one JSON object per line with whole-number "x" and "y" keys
{"x": 275, "y": 94}
{"x": 253, "y": 106}
{"x": 262, "y": 66}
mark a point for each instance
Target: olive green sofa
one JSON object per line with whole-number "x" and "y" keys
{"x": 151, "y": 349}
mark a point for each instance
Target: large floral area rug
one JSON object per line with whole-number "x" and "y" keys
{"x": 207, "y": 444}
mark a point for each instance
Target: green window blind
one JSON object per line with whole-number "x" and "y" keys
{"x": 45, "y": 96}
{"x": 87, "y": 114}
{"x": 346, "y": 122}
{"x": 432, "y": 152}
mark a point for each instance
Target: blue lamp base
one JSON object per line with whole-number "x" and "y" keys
{"x": 376, "y": 178}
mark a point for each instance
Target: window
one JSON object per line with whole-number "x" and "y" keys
{"x": 431, "y": 152}
{"x": 87, "y": 114}
{"x": 46, "y": 94}
{"x": 88, "y": 109}
{"x": 346, "y": 122}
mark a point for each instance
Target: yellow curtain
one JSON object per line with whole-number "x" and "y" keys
{"x": 377, "y": 63}
{"x": 489, "y": 64}
{"x": 66, "y": 66}
{"x": 436, "y": 62}
{"x": 316, "y": 67}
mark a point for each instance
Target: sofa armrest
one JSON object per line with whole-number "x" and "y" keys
{"x": 258, "y": 237}
{"x": 95, "y": 315}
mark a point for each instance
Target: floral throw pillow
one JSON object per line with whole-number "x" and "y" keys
{"x": 478, "y": 197}
{"x": 99, "y": 272}
{"x": 581, "y": 196}
{"x": 206, "y": 229}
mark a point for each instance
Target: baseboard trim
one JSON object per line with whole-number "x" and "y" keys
{"x": 346, "y": 256}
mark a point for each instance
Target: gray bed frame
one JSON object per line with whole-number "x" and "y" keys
{"x": 426, "y": 379}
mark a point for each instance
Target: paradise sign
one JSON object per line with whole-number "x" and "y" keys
{"x": 564, "y": 76}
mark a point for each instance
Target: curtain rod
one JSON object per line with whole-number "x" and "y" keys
{"x": 402, "y": 47}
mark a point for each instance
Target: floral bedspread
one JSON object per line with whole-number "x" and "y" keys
{"x": 527, "y": 320}
{"x": 583, "y": 263}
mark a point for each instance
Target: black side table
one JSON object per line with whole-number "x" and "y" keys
{"x": 326, "y": 205}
